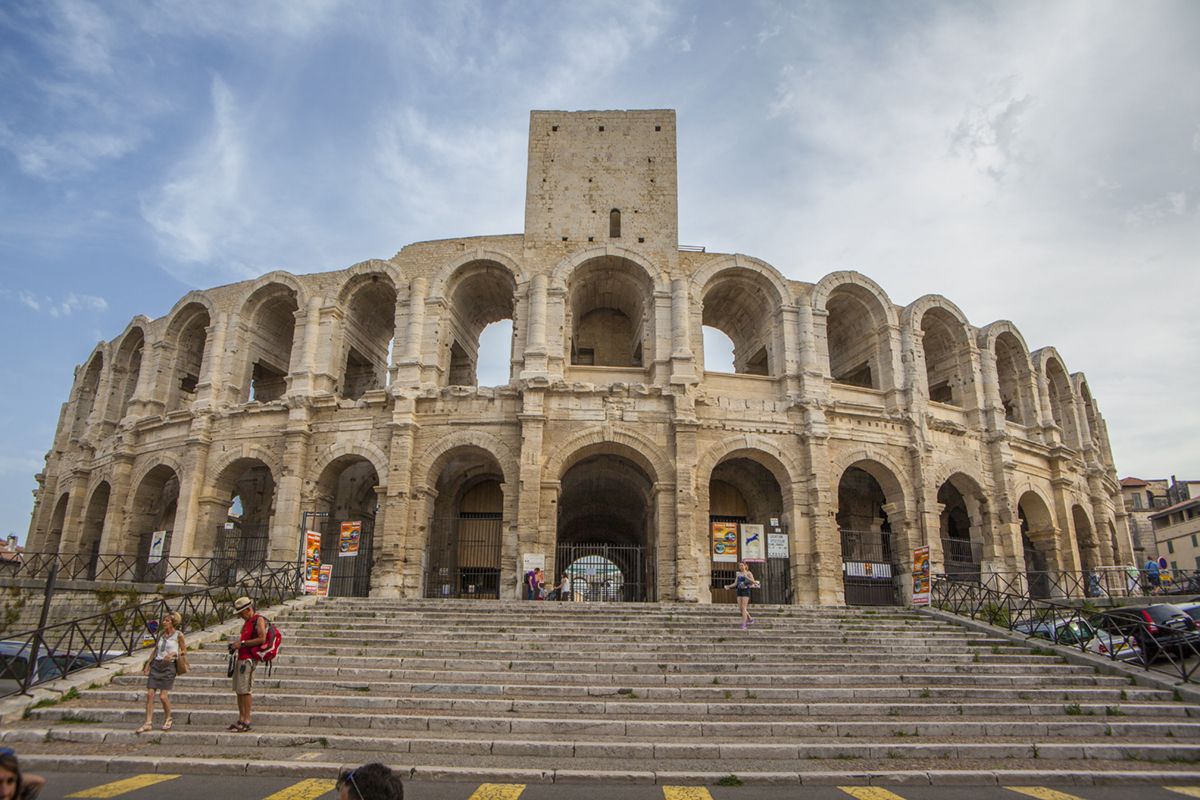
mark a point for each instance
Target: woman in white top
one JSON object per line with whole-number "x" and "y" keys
{"x": 160, "y": 670}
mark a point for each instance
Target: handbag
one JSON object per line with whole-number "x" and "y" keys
{"x": 181, "y": 665}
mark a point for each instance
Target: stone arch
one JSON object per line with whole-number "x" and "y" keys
{"x": 965, "y": 521}
{"x": 441, "y": 450}
{"x": 946, "y": 346}
{"x": 268, "y": 332}
{"x": 871, "y": 517}
{"x": 153, "y": 505}
{"x": 365, "y": 450}
{"x": 891, "y": 474}
{"x": 1013, "y": 374}
{"x": 560, "y": 277}
{"x": 185, "y": 340}
{"x": 1086, "y": 538}
{"x": 94, "y": 516}
{"x": 1091, "y": 416}
{"x": 1039, "y": 537}
{"x": 744, "y": 300}
{"x": 249, "y": 452}
{"x": 853, "y": 321}
{"x": 125, "y": 368}
{"x": 151, "y": 462}
{"x": 478, "y": 292}
{"x": 249, "y": 474}
{"x": 636, "y": 447}
{"x": 87, "y": 388}
{"x": 58, "y": 520}
{"x": 368, "y": 300}
{"x": 1059, "y": 395}
{"x": 757, "y": 448}
{"x": 471, "y": 502}
{"x": 608, "y": 316}
{"x": 450, "y": 273}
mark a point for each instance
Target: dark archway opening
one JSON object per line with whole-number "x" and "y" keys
{"x": 466, "y": 532}
{"x": 868, "y": 557}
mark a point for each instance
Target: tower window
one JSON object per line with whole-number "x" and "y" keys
{"x": 614, "y": 224}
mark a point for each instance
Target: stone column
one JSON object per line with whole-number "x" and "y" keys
{"x": 289, "y": 487}
{"x": 68, "y": 542}
{"x": 392, "y": 546}
{"x": 667, "y": 544}
{"x": 535, "y": 348}
{"x": 212, "y": 378}
{"x": 408, "y": 365}
{"x": 114, "y": 537}
{"x": 691, "y": 568}
{"x": 533, "y": 535}
{"x": 186, "y": 540}
{"x": 683, "y": 364}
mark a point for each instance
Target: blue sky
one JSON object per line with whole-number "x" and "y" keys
{"x": 1038, "y": 162}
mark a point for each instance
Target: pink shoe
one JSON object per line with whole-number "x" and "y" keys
{"x": 744, "y": 626}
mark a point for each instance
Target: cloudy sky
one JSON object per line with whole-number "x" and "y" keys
{"x": 1038, "y": 162}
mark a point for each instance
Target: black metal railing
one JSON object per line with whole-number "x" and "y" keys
{"x": 53, "y": 651}
{"x": 1096, "y": 583}
{"x": 1109, "y": 633}
{"x": 213, "y": 570}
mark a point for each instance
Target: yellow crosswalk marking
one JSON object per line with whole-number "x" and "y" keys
{"x": 1041, "y": 793}
{"x": 118, "y": 788}
{"x": 870, "y": 793}
{"x": 309, "y": 789}
{"x": 1190, "y": 791}
{"x": 686, "y": 793}
{"x": 498, "y": 791}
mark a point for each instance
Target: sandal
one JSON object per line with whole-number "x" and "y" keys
{"x": 168, "y": 724}
{"x": 146, "y": 728}
{"x": 235, "y": 727}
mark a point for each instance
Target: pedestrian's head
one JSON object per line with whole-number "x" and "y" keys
{"x": 174, "y": 618}
{"x": 370, "y": 782}
{"x": 10, "y": 774}
{"x": 244, "y": 607}
{"x": 742, "y": 566}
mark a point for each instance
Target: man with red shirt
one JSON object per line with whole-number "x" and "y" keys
{"x": 254, "y": 634}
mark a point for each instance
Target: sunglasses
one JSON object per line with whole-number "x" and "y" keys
{"x": 347, "y": 776}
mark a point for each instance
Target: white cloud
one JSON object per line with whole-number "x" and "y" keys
{"x": 1172, "y": 204}
{"x": 66, "y": 154}
{"x": 29, "y": 300}
{"x": 203, "y": 211}
{"x": 66, "y": 306}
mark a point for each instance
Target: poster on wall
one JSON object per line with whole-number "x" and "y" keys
{"x": 323, "y": 577}
{"x": 754, "y": 545}
{"x": 349, "y": 539}
{"x": 920, "y": 576}
{"x": 158, "y": 540}
{"x": 724, "y": 542}
{"x": 777, "y": 545}
{"x": 312, "y": 561}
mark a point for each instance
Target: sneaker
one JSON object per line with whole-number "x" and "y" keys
{"x": 744, "y": 626}
{"x": 751, "y": 621}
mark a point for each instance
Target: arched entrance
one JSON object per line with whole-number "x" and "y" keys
{"x": 1037, "y": 543}
{"x": 606, "y": 524}
{"x": 962, "y": 526}
{"x": 868, "y": 551}
{"x": 93, "y": 526}
{"x": 345, "y": 504}
{"x": 745, "y": 507}
{"x": 239, "y": 518}
{"x": 152, "y": 512}
{"x": 466, "y": 532}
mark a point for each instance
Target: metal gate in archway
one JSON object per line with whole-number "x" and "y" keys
{"x": 464, "y": 556}
{"x": 606, "y": 572}
{"x": 868, "y": 568}
{"x": 350, "y": 575}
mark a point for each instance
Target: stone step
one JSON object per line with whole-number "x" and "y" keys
{"x": 763, "y": 685}
{"x": 557, "y": 748}
{"x": 316, "y": 724}
{"x": 634, "y": 706}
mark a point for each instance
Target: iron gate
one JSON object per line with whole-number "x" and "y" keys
{"x": 240, "y": 547}
{"x": 143, "y": 571}
{"x": 774, "y": 574}
{"x": 868, "y": 568}
{"x": 351, "y": 574}
{"x": 464, "y": 556}
{"x": 606, "y": 572}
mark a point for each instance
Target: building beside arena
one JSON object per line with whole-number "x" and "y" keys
{"x": 852, "y": 430}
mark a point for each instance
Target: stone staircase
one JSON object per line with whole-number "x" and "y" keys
{"x": 637, "y": 693}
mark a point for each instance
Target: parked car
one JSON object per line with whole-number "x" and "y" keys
{"x": 1157, "y": 629}
{"x": 1074, "y": 632}
{"x": 14, "y": 664}
{"x": 1191, "y": 608}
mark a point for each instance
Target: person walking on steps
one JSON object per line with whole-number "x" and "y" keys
{"x": 253, "y": 634}
{"x": 161, "y": 669}
{"x": 743, "y": 582}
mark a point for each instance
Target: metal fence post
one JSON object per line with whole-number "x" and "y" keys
{"x": 35, "y": 646}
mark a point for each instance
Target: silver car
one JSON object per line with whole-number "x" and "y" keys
{"x": 1077, "y": 633}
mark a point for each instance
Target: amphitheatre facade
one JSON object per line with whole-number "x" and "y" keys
{"x": 852, "y": 430}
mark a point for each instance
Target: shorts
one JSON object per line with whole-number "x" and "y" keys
{"x": 243, "y": 675}
{"x": 743, "y": 592}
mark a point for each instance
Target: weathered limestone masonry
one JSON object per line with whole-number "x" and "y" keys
{"x": 865, "y": 429}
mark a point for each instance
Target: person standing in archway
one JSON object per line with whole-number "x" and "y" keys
{"x": 743, "y": 582}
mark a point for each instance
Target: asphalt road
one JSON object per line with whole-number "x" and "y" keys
{"x": 210, "y": 787}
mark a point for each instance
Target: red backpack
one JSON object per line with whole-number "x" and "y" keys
{"x": 267, "y": 651}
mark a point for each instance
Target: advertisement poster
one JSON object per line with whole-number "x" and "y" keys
{"x": 724, "y": 542}
{"x": 754, "y": 545}
{"x": 349, "y": 539}
{"x": 323, "y": 577}
{"x": 312, "y": 561}
{"x": 157, "y": 540}
{"x": 920, "y": 576}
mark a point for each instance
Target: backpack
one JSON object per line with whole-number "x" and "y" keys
{"x": 267, "y": 651}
